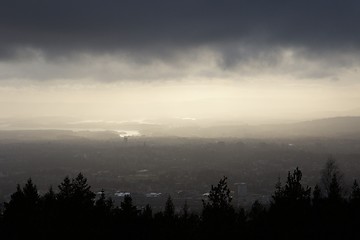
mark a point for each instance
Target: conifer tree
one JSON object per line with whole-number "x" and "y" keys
{"x": 219, "y": 196}
{"x": 316, "y": 195}
{"x": 355, "y": 193}
{"x": 128, "y": 209}
{"x": 81, "y": 191}
{"x": 329, "y": 174}
{"x": 293, "y": 193}
{"x": 335, "y": 193}
{"x": 169, "y": 211}
{"x": 31, "y": 193}
{"x": 218, "y": 209}
{"x": 66, "y": 189}
{"x": 16, "y": 204}
{"x": 185, "y": 211}
{"x": 147, "y": 212}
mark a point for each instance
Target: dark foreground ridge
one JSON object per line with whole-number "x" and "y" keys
{"x": 295, "y": 212}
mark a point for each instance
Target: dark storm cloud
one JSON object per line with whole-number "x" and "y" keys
{"x": 158, "y": 28}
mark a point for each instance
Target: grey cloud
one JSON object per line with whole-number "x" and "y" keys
{"x": 239, "y": 31}
{"x": 60, "y": 27}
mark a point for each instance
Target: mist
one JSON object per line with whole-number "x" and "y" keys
{"x": 191, "y": 119}
{"x": 245, "y": 102}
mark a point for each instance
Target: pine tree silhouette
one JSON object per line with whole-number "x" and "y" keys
{"x": 128, "y": 209}
{"x": 169, "y": 211}
{"x": 218, "y": 213}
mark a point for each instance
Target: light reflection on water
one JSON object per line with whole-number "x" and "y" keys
{"x": 128, "y": 133}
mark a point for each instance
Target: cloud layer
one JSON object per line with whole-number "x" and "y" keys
{"x": 176, "y": 39}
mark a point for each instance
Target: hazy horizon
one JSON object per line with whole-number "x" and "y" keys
{"x": 230, "y": 61}
{"x": 230, "y": 101}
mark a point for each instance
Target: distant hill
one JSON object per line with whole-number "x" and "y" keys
{"x": 348, "y": 127}
{"x": 330, "y": 127}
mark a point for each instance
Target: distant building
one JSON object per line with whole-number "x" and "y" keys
{"x": 122, "y": 194}
{"x": 152, "y": 195}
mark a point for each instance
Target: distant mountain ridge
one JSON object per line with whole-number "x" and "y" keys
{"x": 327, "y": 127}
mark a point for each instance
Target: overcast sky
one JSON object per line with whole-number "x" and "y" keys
{"x": 191, "y": 58}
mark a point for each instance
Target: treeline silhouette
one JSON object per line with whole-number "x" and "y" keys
{"x": 295, "y": 212}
